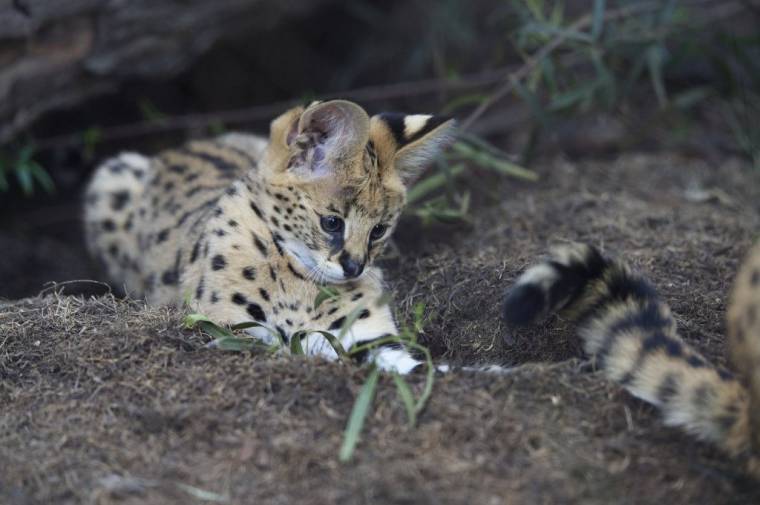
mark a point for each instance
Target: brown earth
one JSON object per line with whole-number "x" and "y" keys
{"x": 107, "y": 401}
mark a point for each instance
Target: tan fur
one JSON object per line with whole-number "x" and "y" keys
{"x": 744, "y": 336}
{"x": 232, "y": 225}
{"x": 632, "y": 336}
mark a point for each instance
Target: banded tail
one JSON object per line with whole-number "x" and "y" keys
{"x": 632, "y": 336}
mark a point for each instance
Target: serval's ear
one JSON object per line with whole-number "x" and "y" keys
{"x": 322, "y": 137}
{"x": 417, "y": 139}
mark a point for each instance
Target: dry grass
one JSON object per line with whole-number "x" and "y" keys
{"x": 107, "y": 401}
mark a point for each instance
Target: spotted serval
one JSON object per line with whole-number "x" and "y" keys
{"x": 249, "y": 228}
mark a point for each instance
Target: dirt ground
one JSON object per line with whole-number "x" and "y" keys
{"x": 108, "y": 401}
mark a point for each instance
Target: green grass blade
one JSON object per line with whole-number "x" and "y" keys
{"x": 192, "y": 319}
{"x": 236, "y": 344}
{"x": 42, "y": 177}
{"x": 358, "y": 415}
{"x": 487, "y": 160}
{"x": 334, "y": 342}
{"x": 325, "y": 293}
{"x": 432, "y": 183}
{"x": 405, "y": 393}
{"x": 296, "y": 348}
{"x": 24, "y": 178}
{"x": 597, "y": 25}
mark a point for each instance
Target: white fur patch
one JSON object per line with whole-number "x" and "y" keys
{"x": 543, "y": 274}
{"x": 395, "y": 360}
{"x": 414, "y": 123}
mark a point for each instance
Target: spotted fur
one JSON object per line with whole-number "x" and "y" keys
{"x": 234, "y": 225}
{"x": 631, "y": 334}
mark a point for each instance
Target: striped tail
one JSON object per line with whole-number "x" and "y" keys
{"x": 631, "y": 335}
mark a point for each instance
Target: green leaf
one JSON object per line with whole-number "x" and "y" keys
{"x": 24, "y": 178}
{"x": 598, "y": 19}
{"x": 248, "y": 324}
{"x": 296, "y": 348}
{"x": 334, "y": 342}
{"x": 405, "y": 393}
{"x": 359, "y": 413}
{"x": 691, "y": 97}
{"x": 499, "y": 165}
{"x": 656, "y": 56}
{"x": 42, "y": 177}
{"x": 325, "y": 293}
{"x": 237, "y": 344}
{"x": 192, "y": 319}
{"x": 429, "y": 184}
{"x": 215, "y": 330}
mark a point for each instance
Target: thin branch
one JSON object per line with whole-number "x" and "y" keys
{"x": 262, "y": 112}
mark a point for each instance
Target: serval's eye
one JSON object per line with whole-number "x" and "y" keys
{"x": 331, "y": 224}
{"x": 378, "y": 231}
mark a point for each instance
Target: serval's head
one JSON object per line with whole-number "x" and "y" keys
{"x": 340, "y": 178}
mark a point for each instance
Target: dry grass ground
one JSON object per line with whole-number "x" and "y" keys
{"x": 107, "y": 401}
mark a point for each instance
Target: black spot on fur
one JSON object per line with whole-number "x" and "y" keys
{"x": 696, "y": 362}
{"x": 726, "y": 422}
{"x": 667, "y": 389}
{"x": 239, "y": 299}
{"x": 222, "y": 165}
{"x": 364, "y": 314}
{"x": 264, "y": 294}
{"x": 256, "y": 312}
{"x": 272, "y": 274}
{"x": 260, "y": 245}
{"x": 196, "y": 250}
{"x": 356, "y": 296}
{"x": 119, "y": 200}
{"x": 332, "y": 311}
{"x": 162, "y": 236}
{"x": 170, "y": 277}
{"x": 725, "y": 375}
{"x": 214, "y": 297}
{"x": 231, "y": 191}
{"x": 108, "y": 225}
{"x": 703, "y": 396}
{"x": 199, "y": 290}
{"x": 249, "y": 273}
{"x": 293, "y": 271}
{"x": 232, "y": 223}
{"x": 218, "y": 262}
{"x": 277, "y": 238}
{"x": 337, "y": 324}
{"x": 523, "y": 304}
{"x": 256, "y": 209}
{"x": 659, "y": 341}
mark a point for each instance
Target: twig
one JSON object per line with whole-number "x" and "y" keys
{"x": 237, "y": 116}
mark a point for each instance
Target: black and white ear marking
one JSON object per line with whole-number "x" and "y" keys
{"x": 419, "y": 138}
{"x": 406, "y": 128}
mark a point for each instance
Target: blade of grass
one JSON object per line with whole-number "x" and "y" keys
{"x": 432, "y": 183}
{"x": 405, "y": 393}
{"x": 358, "y": 416}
